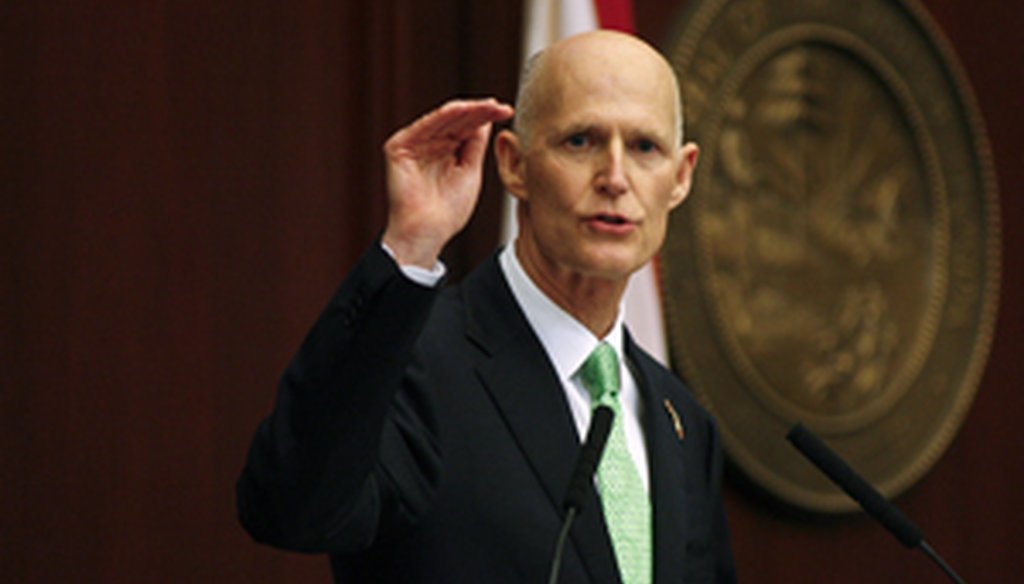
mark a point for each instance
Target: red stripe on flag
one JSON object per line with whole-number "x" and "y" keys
{"x": 615, "y": 14}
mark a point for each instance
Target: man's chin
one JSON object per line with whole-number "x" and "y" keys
{"x": 614, "y": 266}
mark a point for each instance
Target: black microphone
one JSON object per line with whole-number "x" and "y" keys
{"x": 836, "y": 469}
{"x": 590, "y": 455}
{"x": 582, "y": 479}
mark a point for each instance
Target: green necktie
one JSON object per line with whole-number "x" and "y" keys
{"x": 627, "y": 509}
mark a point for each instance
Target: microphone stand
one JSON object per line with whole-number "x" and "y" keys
{"x": 582, "y": 479}
{"x": 563, "y": 536}
{"x": 840, "y": 473}
{"x": 928, "y": 551}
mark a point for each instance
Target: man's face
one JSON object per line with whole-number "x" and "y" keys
{"x": 603, "y": 166}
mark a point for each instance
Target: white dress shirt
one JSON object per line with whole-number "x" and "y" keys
{"x": 568, "y": 344}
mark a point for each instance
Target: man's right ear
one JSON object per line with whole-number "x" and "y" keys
{"x": 508, "y": 151}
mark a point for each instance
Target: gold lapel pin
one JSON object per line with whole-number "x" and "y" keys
{"x": 676, "y": 422}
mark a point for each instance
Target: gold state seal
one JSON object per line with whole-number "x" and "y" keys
{"x": 837, "y": 263}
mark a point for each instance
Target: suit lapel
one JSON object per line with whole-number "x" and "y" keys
{"x": 525, "y": 388}
{"x": 667, "y": 471}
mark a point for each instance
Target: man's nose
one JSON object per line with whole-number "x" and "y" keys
{"x": 611, "y": 173}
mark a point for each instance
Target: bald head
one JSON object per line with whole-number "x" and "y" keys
{"x": 603, "y": 57}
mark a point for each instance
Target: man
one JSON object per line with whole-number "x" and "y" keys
{"x": 428, "y": 435}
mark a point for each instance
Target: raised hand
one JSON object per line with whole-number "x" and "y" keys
{"x": 434, "y": 174}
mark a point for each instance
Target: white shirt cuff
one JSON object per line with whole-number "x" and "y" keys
{"x": 421, "y": 276}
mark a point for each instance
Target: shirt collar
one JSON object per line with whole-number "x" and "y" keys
{"x": 567, "y": 342}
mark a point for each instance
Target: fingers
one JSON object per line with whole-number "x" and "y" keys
{"x": 462, "y": 118}
{"x": 475, "y": 148}
{"x": 455, "y": 121}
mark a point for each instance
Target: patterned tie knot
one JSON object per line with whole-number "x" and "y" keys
{"x": 600, "y": 374}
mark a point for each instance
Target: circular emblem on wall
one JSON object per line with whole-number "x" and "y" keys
{"x": 837, "y": 263}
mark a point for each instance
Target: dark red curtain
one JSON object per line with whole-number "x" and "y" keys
{"x": 183, "y": 185}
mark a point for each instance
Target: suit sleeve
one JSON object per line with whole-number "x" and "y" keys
{"x": 349, "y": 453}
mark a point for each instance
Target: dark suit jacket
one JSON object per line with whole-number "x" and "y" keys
{"x": 423, "y": 436}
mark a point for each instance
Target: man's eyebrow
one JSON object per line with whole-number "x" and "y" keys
{"x": 651, "y": 133}
{"x": 575, "y": 128}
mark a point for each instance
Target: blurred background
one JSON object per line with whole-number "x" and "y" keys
{"x": 183, "y": 185}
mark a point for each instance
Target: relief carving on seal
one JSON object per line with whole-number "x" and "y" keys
{"x": 837, "y": 263}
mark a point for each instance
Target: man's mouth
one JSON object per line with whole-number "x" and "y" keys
{"x": 611, "y": 223}
{"x": 611, "y": 219}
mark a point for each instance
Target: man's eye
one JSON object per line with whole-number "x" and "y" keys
{"x": 645, "y": 146}
{"x": 577, "y": 140}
